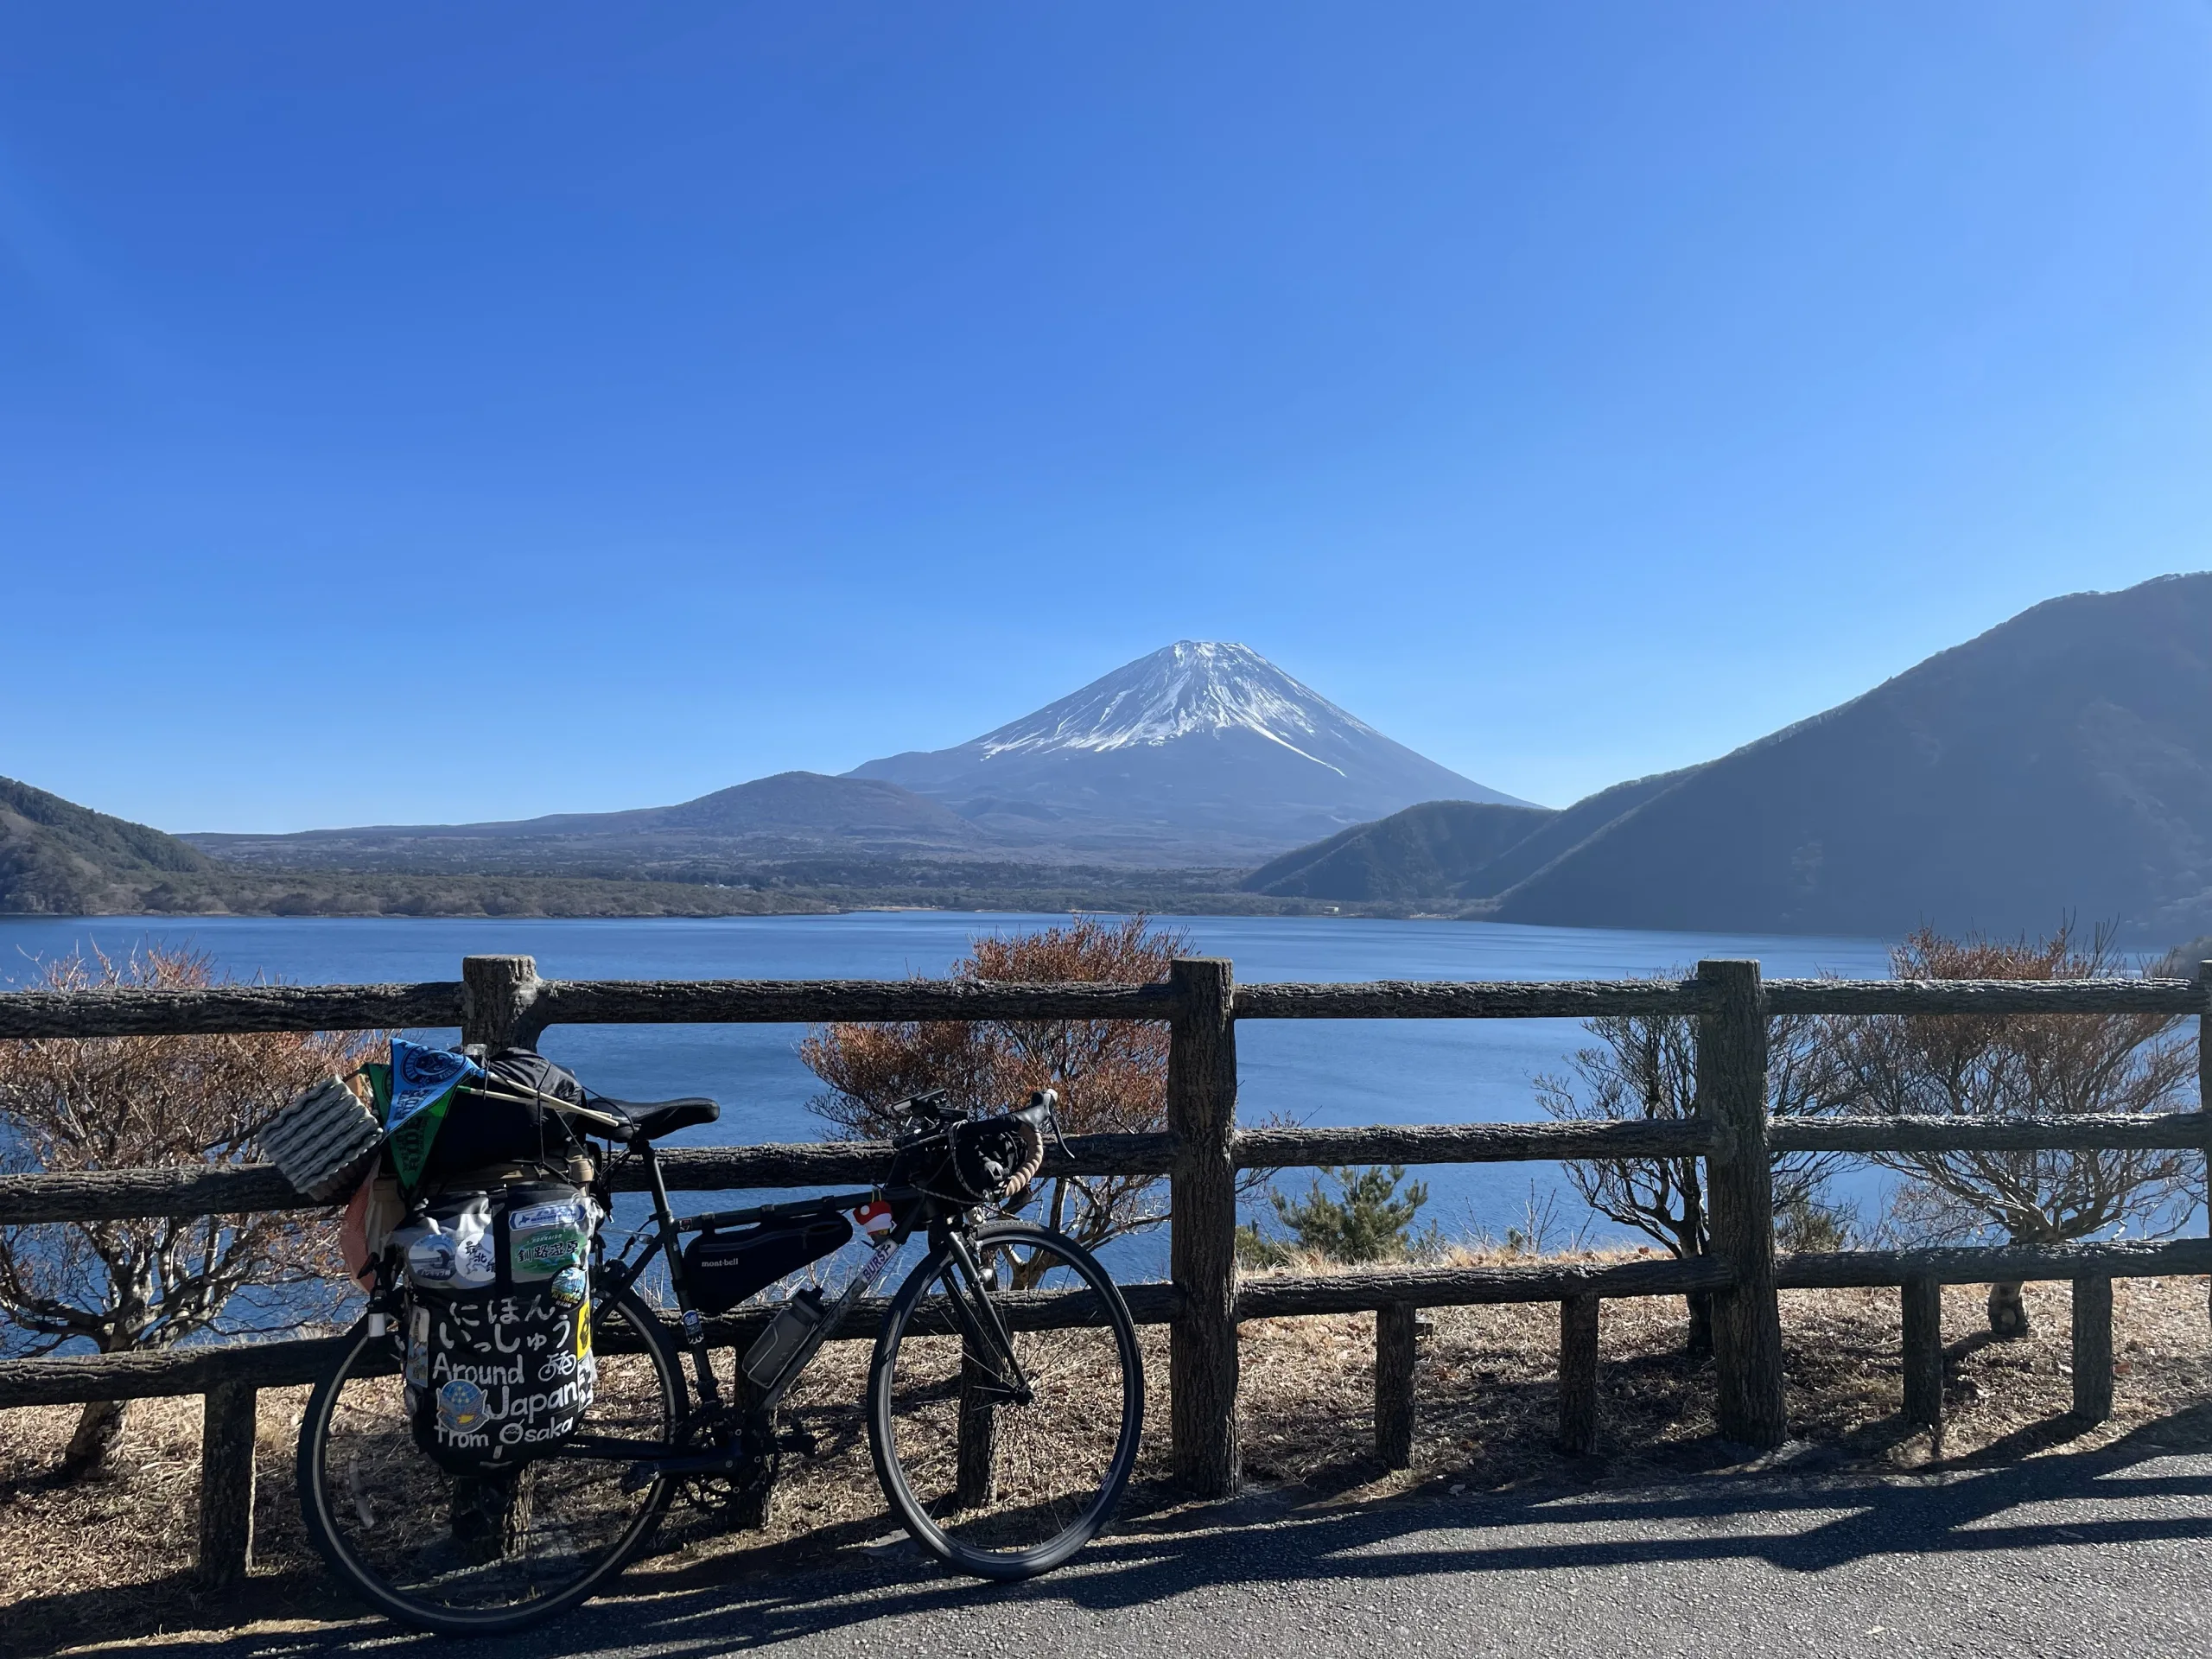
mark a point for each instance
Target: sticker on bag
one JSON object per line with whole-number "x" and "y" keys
{"x": 568, "y": 1213}
{"x": 548, "y": 1251}
{"x": 460, "y": 1407}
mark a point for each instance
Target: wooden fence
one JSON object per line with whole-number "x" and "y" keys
{"x": 500, "y": 999}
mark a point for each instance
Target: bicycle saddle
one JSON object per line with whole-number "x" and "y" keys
{"x": 654, "y": 1118}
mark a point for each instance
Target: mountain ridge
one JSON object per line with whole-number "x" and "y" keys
{"x": 2058, "y": 763}
{"x": 784, "y": 813}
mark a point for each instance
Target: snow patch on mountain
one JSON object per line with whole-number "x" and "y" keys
{"x": 1192, "y": 686}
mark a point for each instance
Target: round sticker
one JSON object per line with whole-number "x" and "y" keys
{"x": 460, "y": 1406}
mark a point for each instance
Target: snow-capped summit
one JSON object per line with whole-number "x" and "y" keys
{"x": 1201, "y": 748}
{"x": 1191, "y": 686}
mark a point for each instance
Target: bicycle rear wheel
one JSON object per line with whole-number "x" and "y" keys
{"x": 473, "y": 1555}
{"x": 1003, "y": 1459}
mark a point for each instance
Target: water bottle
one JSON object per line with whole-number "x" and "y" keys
{"x": 787, "y": 1333}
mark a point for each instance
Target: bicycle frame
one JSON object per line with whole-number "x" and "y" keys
{"x": 987, "y": 1332}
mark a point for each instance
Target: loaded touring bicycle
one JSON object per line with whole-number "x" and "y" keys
{"x": 510, "y": 1417}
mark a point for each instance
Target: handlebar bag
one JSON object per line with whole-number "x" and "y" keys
{"x": 983, "y": 1160}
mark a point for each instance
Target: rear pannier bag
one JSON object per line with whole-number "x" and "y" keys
{"x": 496, "y": 1313}
{"x": 721, "y": 1269}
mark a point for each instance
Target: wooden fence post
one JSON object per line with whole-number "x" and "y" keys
{"x": 1202, "y": 1248}
{"x": 976, "y": 1457}
{"x": 1922, "y": 1308}
{"x": 1739, "y": 1202}
{"x": 2093, "y": 1348}
{"x": 226, "y": 1442}
{"x": 1577, "y": 1376}
{"x": 1395, "y": 1359}
{"x": 496, "y": 995}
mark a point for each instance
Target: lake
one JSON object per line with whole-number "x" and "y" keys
{"x": 1315, "y": 1071}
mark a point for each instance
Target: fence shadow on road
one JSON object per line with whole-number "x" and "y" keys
{"x": 1999, "y": 1500}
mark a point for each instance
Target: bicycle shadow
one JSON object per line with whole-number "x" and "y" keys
{"x": 1164, "y": 1549}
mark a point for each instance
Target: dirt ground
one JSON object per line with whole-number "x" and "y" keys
{"x": 109, "y": 1558}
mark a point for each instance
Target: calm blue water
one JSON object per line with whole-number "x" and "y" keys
{"x": 1315, "y": 1071}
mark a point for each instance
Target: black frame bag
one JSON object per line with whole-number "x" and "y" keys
{"x": 721, "y": 1268}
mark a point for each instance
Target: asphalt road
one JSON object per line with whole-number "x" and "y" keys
{"x": 2066, "y": 1555}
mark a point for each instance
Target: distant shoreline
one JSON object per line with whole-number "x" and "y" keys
{"x": 337, "y": 894}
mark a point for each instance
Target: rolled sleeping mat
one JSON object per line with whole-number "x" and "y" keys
{"x": 322, "y": 1140}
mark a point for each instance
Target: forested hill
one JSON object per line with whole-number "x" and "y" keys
{"x": 1415, "y": 857}
{"x": 57, "y": 858}
{"x": 2059, "y": 764}
{"x": 1446, "y": 854}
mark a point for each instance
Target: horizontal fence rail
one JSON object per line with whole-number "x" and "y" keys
{"x": 443, "y": 1003}
{"x": 223, "y": 1009}
{"x": 762, "y": 1001}
{"x": 1985, "y": 996}
{"x": 2086, "y": 1132}
{"x": 127, "y": 1194}
{"x": 1503, "y": 998}
{"x": 1471, "y": 1143}
{"x": 297, "y": 1361}
{"x": 1286, "y": 1295}
{"x": 1988, "y": 1264}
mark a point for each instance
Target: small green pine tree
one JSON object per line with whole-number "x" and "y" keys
{"x": 1366, "y": 1219}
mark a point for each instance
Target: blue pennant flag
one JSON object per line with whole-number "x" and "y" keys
{"x": 423, "y": 1077}
{"x": 422, "y": 1084}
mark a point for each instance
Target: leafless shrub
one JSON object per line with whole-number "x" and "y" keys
{"x": 1644, "y": 1067}
{"x": 72, "y": 1104}
{"x": 2017, "y": 1065}
{"x": 1111, "y": 1075}
{"x": 1543, "y": 1230}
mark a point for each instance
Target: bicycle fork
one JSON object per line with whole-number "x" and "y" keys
{"x": 984, "y": 1337}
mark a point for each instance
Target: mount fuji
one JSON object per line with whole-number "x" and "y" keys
{"x": 1198, "y": 755}
{"x": 1200, "y": 749}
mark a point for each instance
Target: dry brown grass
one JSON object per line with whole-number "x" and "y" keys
{"x": 111, "y": 1558}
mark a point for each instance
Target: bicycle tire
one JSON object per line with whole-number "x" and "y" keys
{"x": 339, "y": 1542}
{"x": 1063, "y": 1475}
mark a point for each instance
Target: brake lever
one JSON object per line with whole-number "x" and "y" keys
{"x": 1044, "y": 1104}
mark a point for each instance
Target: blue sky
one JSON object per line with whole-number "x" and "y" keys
{"x": 425, "y": 412}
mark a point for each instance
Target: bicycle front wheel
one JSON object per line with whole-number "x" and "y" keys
{"x": 475, "y": 1554}
{"x": 1006, "y": 1400}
